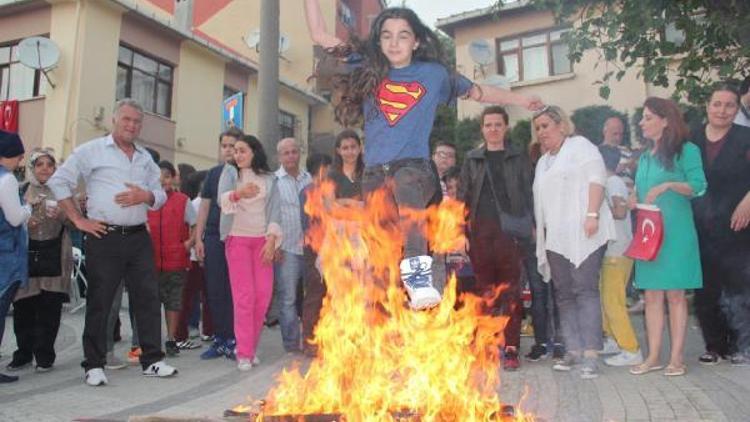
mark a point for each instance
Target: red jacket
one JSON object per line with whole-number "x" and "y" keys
{"x": 169, "y": 231}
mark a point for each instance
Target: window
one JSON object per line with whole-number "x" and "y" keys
{"x": 18, "y": 82}
{"x": 287, "y": 122}
{"x": 533, "y": 56}
{"x": 145, "y": 80}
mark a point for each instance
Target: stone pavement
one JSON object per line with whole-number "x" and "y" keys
{"x": 204, "y": 389}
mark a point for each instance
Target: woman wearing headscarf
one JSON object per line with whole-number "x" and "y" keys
{"x": 13, "y": 215}
{"x": 37, "y": 307}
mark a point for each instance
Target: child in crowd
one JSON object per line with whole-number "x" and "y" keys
{"x": 170, "y": 228}
{"x": 399, "y": 78}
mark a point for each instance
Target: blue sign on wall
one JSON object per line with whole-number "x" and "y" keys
{"x": 233, "y": 112}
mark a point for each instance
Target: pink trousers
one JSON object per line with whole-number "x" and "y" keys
{"x": 252, "y": 286}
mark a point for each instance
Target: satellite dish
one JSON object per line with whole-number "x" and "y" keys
{"x": 39, "y": 53}
{"x": 253, "y": 41}
{"x": 481, "y": 52}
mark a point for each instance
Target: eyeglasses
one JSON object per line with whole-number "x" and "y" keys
{"x": 554, "y": 111}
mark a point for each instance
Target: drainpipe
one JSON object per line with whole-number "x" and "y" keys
{"x": 67, "y": 141}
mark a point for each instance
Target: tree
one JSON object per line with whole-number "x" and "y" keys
{"x": 713, "y": 38}
{"x": 589, "y": 122}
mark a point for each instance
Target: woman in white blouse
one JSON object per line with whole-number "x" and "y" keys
{"x": 573, "y": 228}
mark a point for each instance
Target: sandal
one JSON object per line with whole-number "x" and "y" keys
{"x": 644, "y": 368}
{"x": 675, "y": 371}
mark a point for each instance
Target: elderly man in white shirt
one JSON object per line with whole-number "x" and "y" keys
{"x": 122, "y": 184}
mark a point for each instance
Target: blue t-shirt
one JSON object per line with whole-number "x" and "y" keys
{"x": 399, "y": 119}
{"x": 210, "y": 191}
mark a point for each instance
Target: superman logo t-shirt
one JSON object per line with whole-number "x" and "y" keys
{"x": 399, "y": 118}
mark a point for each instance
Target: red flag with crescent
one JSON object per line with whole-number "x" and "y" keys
{"x": 649, "y": 233}
{"x": 9, "y": 118}
{"x": 396, "y": 99}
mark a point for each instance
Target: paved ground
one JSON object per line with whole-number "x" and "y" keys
{"x": 207, "y": 388}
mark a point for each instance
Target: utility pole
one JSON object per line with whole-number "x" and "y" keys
{"x": 268, "y": 79}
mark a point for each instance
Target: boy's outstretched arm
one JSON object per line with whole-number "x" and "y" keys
{"x": 494, "y": 95}
{"x": 316, "y": 25}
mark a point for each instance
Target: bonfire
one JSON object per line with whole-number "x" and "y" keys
{"x": 377, "y": 359}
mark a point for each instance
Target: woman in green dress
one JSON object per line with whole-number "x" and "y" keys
{"x": 669, "y": 174}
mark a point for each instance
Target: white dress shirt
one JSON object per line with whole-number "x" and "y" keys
{"x": 106, "y": 168}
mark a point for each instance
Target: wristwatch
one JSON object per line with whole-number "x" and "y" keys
{"x": 593, "y": 214}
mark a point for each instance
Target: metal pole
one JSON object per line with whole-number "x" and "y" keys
{"x": 268, "y": 79}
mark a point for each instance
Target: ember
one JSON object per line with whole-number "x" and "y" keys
{"x": 376, "y": 357}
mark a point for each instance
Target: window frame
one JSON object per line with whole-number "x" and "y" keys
{"x": 130, "y": 68}
{"x": 36, "y": 90}
{"x": 548, "y": 44}
{"x": 293, "y": 118}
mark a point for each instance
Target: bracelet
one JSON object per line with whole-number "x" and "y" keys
{"x": 593, "y": 215}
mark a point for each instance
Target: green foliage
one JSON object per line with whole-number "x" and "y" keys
{"x": 589, "y": 122}
{"x": 520, "y": 135}
{"x": 468, "y": 136}
{"x": 629, "y": 35}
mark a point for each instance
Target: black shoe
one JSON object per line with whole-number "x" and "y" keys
{"x": 537, "y": 353}
{"x": 7, "y": 378}
{"x": 171, "y": 348}
{"x": 15, "y": 365}
{"x": 710, "y": 358}
{"x": 271, "y": 323}
{"x": 558, "y": 352}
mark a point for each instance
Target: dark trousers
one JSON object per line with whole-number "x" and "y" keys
{"x": 711, "y": 318}
{"x": 6, "y": 298}
{"x": 218, "y": 289}
{"x": 36, "y": 320}
{"x": 111, "y": 259}
{"x": 195, "y": 285}
{"x": 410, "y": 184}
{"x": 497, "y": 263}
{"x": 314, "y": 292}
{"x": 544, "y": 314}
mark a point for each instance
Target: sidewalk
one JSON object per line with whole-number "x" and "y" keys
{"x": 207, "y": 388}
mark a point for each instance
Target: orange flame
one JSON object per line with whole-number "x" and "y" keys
{"x": 376, "y": 357}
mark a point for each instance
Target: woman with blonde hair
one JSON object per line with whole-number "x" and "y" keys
{"x": 574, "y": 225}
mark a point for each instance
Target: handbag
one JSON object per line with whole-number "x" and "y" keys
{"x": 45, "y": 257}
{"x": 649, "y": 233}
{"x": 514, "y": 226}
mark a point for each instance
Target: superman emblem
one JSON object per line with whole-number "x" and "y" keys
{"x": 396, "y": 99}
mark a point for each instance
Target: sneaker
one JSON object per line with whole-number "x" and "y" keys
{"x": 113, "y": 362}
{"x": 171, "y": 348}
{"x": 14, "y": 365}
{"x": 638, "y": 307}
{"x": 42, "y": 369}
{"x": 4, "y": 379}
{"x": 244, "y": 364}
{"x": 95, "y": 377}
{"x": 625, "y": 358}
{"x": 207, "y": 337}
{"x": 134, "y": 355}
{"x": 416, "y": 274}
{"x": 159, "y": 369}
{"x": 740, "y": 359}
{"x": 256, "y": 361}
{"x": 567, "y": 363}
{"x": 188, "y": 344}
{"x": 510, "y": 360}
{"x": 215, "y": 350}
{"x": 710, "y": 358}
{"x": 589, "y": 369}
{"x": 537, "y": 353}
{"x": 610, "y": 347}
{"x": 558, "y": 352}
{"x": 230, "y": 347}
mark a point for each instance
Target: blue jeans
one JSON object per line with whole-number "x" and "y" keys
{"x": 6, "y": 298}
{"x": 287, "y": 275}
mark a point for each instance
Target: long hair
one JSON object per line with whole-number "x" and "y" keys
{"x": 675, "y": 134}
{"x": 338, "y": 161}
{"x": 355, "y": 87}
{"x": 259, "y": 163}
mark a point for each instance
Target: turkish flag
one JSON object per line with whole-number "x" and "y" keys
{"x": 649, "y": 233}
{"x": 9, "y": 116}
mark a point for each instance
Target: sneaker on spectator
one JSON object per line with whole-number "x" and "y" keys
{"x": 537, "y": 353}
{"x": 4, "y": 379}
{"x": 558, "y": 352}
{"x": 134, "y": 355}
{"x": 710, "y": 358}
{"x": 42, "y": 369}
{"x": 95, "y": 377}
{"x": 610, "y": 347}
{"x": 625, "y": 358}
{"x": 159, "y": 369}
{"x": 215, "y": 350}
{"x": 113, "y": 362}
{"x": 15, "y": 365}
{"x": 230, "y": 347}
{"x": 567, "y": 363}
{"x": 589, "y": 368}
{"x": 188, "y": 344}
{"x": 244, "y": 364}
{"x": 638, "y": 307}
{"x": 256, "y": 361}
{"x": 207, "y": 337}
{"x": 416, "y": 274}
{"x": 510, "y": 359}
{"x": 740, "y": 359}
{"x": 171, "y": 348}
